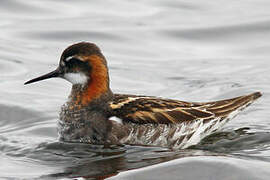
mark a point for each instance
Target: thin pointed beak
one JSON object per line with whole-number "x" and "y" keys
{"x": 55, "y": 73}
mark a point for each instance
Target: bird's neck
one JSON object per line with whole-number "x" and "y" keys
{"x": 95, "y": 93}
{"x": 97, "y": 89}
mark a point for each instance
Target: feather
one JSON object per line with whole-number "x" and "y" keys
{"x": 147, "y": 109}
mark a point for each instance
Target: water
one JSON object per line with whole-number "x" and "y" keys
{"x": 187, "y": 50}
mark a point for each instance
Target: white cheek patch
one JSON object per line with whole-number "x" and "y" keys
{"x": 76, "y": 78}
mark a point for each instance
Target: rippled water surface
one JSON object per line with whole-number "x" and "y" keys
{"x": 187, "y": 50}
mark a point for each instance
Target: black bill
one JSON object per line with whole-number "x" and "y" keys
{"x": 55, "y": 73}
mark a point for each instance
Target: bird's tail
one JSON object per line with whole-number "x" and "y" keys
{"x": 226, "y": 107}
{"x": 222, "y": 111}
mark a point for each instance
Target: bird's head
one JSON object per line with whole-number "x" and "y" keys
{"x": 84, "y": 66}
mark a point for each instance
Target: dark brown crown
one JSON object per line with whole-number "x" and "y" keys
{"x": 81, "y": 49}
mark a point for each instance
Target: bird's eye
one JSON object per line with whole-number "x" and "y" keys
{"x": 69, "y": 61}
{"x": 70, "y": 58}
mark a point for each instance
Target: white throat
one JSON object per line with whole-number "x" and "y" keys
{"x": 76, "y": 78}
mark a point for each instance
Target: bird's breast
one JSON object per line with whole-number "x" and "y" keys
{"x": 83, "y": 125}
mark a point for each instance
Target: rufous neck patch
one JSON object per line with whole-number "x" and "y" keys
{"x": 98, "y": 83}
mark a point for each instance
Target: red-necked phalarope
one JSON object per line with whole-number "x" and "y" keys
{"x": 93, "y": 114}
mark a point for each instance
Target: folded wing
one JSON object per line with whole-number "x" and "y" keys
{"x": 145, "y": 109}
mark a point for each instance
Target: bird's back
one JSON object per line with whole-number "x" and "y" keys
{"x": 171, "y": 123}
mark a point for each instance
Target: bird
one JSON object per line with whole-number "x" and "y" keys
{"x": 93, "y": 114}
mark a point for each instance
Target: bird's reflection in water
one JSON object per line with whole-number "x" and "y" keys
{"x": 99, "y": 162}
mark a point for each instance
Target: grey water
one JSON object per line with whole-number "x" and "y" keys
{"x": 186, "y": 50}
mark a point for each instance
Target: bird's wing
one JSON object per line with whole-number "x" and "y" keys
{"x": 145, "y": 109}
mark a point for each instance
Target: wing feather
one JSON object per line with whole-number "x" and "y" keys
{"x": 146, "y": 109}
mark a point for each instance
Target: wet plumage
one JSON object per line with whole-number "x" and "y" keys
{"x": 93, "y": 114}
